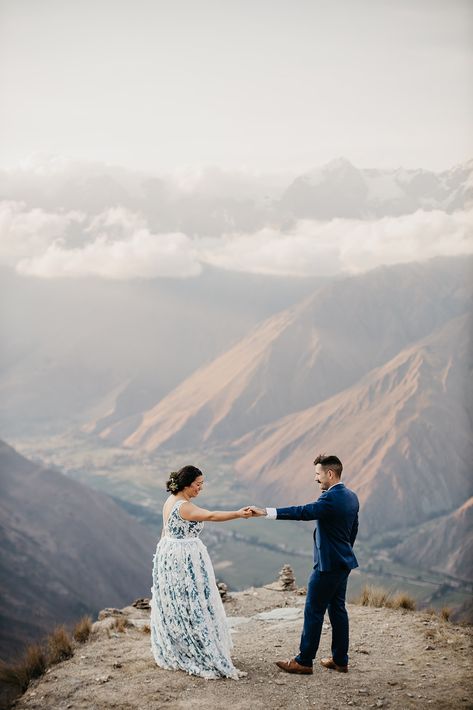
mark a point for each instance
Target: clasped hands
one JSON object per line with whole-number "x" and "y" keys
{"x": 251, "y": 511}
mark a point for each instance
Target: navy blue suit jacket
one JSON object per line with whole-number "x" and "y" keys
{"x": 336, "y": 513}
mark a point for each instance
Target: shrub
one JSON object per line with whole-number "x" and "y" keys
{"x": 82, "y": 629}
{"x": 59, "y": 646}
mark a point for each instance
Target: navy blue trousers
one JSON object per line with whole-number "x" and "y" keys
{"x": 326, "y": 591}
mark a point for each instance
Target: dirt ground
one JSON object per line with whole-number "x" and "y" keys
{"x": 398, "y": 659}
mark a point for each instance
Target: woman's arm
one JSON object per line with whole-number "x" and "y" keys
{"x": 189, "y": 511}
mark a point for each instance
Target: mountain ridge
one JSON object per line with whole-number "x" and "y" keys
{"x": 66, "y": 551}
{"x": 305, "y": 354}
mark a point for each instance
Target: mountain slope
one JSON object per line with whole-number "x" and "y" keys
{"x": 86, "y": 350}
{"x": 443, "y": 545}
{"x": 305, "y": 354}
{"x": 66, "y": 551}
{"x": 403, "y": 432}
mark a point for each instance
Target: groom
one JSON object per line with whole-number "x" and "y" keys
{"x": 336, "y": 513}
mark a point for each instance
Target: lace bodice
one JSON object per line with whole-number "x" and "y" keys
{"x": 178, "y": 528}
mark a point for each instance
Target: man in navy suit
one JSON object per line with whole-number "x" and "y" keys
{"x": 336, "y": 513}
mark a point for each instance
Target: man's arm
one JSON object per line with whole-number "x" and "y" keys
{"x": 312, "y": 511}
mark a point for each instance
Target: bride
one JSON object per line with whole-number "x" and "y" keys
{"x": 189, "y": 628}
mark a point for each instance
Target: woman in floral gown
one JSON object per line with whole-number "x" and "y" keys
{"x": 189, "y": 628}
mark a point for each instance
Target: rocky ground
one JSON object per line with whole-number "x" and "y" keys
{"x": 399, "y": 659}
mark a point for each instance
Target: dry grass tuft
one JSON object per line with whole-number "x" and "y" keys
{"x": 146, "y": 629}
{"x": 430, "y": 611}
{"x": 120, "y": 624}
{"x": 373, "y": 596}
{"x": 380, "y": 597}
{"x": 402, "y": 600}
{"x": 445, "y": 613}
{"x": 18, "y": 675}
{"x": 82, "y": 629}
{"x": 59, "y": 645}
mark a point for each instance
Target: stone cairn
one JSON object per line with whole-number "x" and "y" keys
{"x": 286, "y": 579}
{"x": 286, "y": 582}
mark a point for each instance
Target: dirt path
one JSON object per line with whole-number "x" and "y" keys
{"x": 398, "y": 660}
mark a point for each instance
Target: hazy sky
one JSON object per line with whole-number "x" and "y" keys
{"x": 259, "y": 84}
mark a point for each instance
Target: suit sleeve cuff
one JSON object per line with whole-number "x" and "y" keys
{"x": 271, "y": 513}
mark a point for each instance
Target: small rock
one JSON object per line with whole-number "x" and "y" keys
{"x": 142, "y": 603}
{"x": 410, "y": 695}
{"x": 110, "y": 611}
{"x": 223, "y": 591}
{"x": 429, "y": 648}
{"x": 379, "y": 704}
{"x": 117, "y": 665}
{"x": 103, "y": 679}
{"x": 363, "y": 691}
{"x": 400, "y": 663}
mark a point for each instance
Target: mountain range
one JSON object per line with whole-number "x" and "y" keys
{"x": 404, "y": 432}
{"x": 216, "y": 202}
{"x": 339, "y": 189}
{"x": 303, "y": 355}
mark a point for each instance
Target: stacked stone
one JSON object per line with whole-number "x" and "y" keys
{"x": 287, "y": 579}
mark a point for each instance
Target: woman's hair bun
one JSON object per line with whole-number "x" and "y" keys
{"x": 178, "y": 480}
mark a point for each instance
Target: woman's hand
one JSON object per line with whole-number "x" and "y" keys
{"x": 245, "y": 512}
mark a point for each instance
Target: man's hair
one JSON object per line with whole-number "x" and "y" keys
{"x": 332, "y": 462}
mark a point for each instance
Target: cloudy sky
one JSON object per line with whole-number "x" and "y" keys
{"x": 225, "y": 102}
{"x": 267, "y": 85}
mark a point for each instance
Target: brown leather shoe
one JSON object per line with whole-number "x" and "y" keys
{"x": 293, "y": 666}
{"x": 330, "y": 663}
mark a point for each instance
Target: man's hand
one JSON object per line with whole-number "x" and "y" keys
{"x": 257, "y": 512}
{"x": 246, "y": 512}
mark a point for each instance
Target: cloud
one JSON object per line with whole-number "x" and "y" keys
{"x": 28, "y": 233}
{"x": 143, "y": 255}
{"x": 119, "y": 244}
{"x": 343, "y": 245}
{"x": 115, "y": 244}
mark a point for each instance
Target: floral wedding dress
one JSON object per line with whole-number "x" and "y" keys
{"x": 189, "y": 629}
